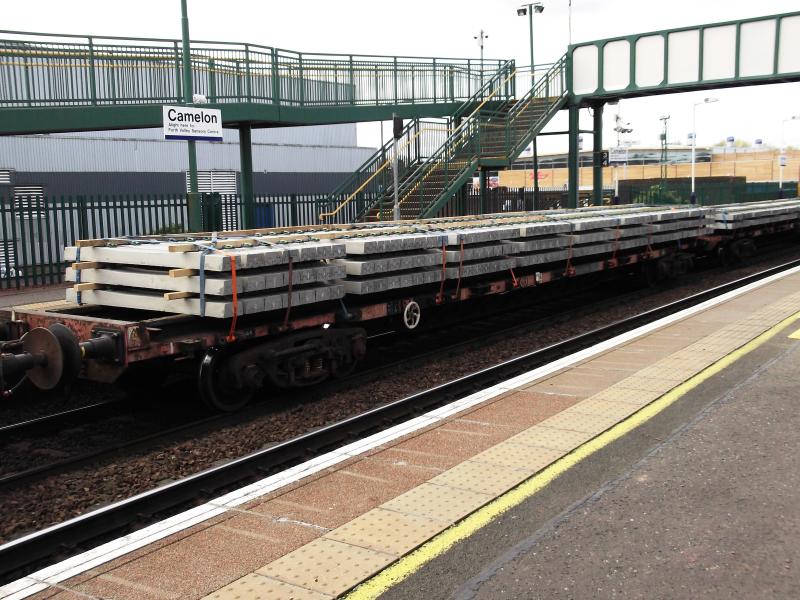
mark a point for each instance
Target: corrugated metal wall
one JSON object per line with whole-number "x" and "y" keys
{"x": 50, "y": 153}
{"x": 343, "y": 134}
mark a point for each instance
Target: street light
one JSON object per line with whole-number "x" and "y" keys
{"x": 529, "y": 9}
{"x": 782, "y": 156}
{"x": 693, "y": 197}
{"x": 482, "y": 36}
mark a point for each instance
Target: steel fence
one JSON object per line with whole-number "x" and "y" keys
{"x": 35, "y": 229}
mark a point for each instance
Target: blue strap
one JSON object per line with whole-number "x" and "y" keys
{"x": 204, "y": 251}
{"x": 78, "y": 274}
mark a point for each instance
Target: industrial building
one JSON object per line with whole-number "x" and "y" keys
{"x": 309, "y": 160}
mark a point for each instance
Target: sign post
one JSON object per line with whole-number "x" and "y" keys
{"x": 192, "y": 124}
{"x": 193, "y": 207}
{"x": 615, "y": 157}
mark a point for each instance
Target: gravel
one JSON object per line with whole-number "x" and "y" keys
{"x": 68, "y": 495}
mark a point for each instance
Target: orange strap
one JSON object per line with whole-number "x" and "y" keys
{"x": 440, "y": 295}
{"x": 232, "y": 333}
{"x": 568, "y": 270}
{"x": 617, "y": 233}
{"x": 460, "y": 270}
{"x": 514, "y": 277}
{"x": 289, "y": 294}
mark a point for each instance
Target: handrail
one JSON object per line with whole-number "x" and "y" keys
{"x": 223, "y": 43}
{"x": 373, "y": 158}
{"x": 375, "y": 174}
{"x": 454, "y": 136}
{"x": 224, "y": 71}
{"x": 486, "y": 85}
{"x": 470, "y": 130}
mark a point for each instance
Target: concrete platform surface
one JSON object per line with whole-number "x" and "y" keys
{"x": 32, "y": 295}
{"x": 450, "y": 506}
{"x": 712, "y": 510}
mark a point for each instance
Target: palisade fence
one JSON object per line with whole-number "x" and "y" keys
{"x": 35, "y": 229}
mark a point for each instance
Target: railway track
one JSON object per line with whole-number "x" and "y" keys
{"x": 393, "y": 355}
{"x": 24, "y": 555}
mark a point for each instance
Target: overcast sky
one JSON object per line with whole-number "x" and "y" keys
{"x": 446, "y": 28}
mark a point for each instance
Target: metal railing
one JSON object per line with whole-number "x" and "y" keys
{"x": 502, "y": 134}
{"x": 35, "y": 229}
{"x": 39, "y": 69}
{"x": 418, "y": 141}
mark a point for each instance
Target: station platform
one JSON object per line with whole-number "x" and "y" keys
{"x": 661, "y": 463}
{"x": 34, "y": 295}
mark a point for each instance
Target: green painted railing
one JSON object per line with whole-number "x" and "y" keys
{"x": 494, "y": 136}
{"x": 418, "y": 141}
{"x": 39, "y": 70}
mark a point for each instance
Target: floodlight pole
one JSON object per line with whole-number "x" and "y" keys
{"x": 693, "y": 196}
{"x": 781, "y": 156}
{"x": 193, "y": 201}
{"x": 530, "y": 29}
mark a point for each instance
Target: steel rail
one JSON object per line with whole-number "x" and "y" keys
{"x": 24, "y": 555}
{"x": 47, "y": 423}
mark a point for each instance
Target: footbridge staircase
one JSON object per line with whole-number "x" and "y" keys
{"x": 436, "y": 159}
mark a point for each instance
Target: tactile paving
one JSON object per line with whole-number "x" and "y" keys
{"x": 607, "y": 408}
{"x": 627, "y": 396}
{"x": 646, "y": 384}
{"x": 438, "y": 502}
{"x": 577, "y": 421}
{"x": 548, "y": 437}
{"x": 259, "y": 587}
{"x": 327, "y": 566}
{"x": 386, "y": 531}
{"x": 672, "y": 372}
{"x": 526, "y": 458}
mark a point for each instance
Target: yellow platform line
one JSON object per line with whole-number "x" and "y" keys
{"x": 409, "y": 564}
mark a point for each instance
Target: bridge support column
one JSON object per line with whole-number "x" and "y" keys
{"x": 246, "y": 181}
{"x": 482, "y": 183}
{"x": 597, "y": 156}
{"x": 536, "y": 204}
{"x": 573, "y": 158}
{"x": 194, "y": 208}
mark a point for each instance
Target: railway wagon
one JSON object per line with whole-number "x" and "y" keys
{"x": 293, "y": 307}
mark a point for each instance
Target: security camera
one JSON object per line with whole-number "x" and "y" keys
{"x": 538, "y": 8}
{"x": 199, "y": 99}
{"x": 521, "y": 12}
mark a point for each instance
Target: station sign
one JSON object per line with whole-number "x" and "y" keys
{"x": 189, "y": 123}
{"x": 618, "y": 155}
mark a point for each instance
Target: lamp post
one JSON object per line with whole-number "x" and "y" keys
{"x": 693, "y": 197}
{"x": 529, "y": 9}
{"x": 194, "y": 209}
{"x": 480, "y": 37}
{"x": 782, "y": 156}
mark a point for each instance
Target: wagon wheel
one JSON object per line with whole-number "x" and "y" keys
{"x": 412, "y": 314}
{"x": 217, "y": 386}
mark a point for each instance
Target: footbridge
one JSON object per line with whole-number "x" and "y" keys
{"x": 491, "y": 110}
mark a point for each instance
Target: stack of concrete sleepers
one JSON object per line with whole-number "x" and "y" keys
{"x": 380, "y": 263}
{"x": 597, "y": 231}
{"x": 277, "y": 269}
{"x": 751, "y": 214}
{"x": 198, "y": 279}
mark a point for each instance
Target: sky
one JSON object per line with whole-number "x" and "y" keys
{"x": 447, "y": 28}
